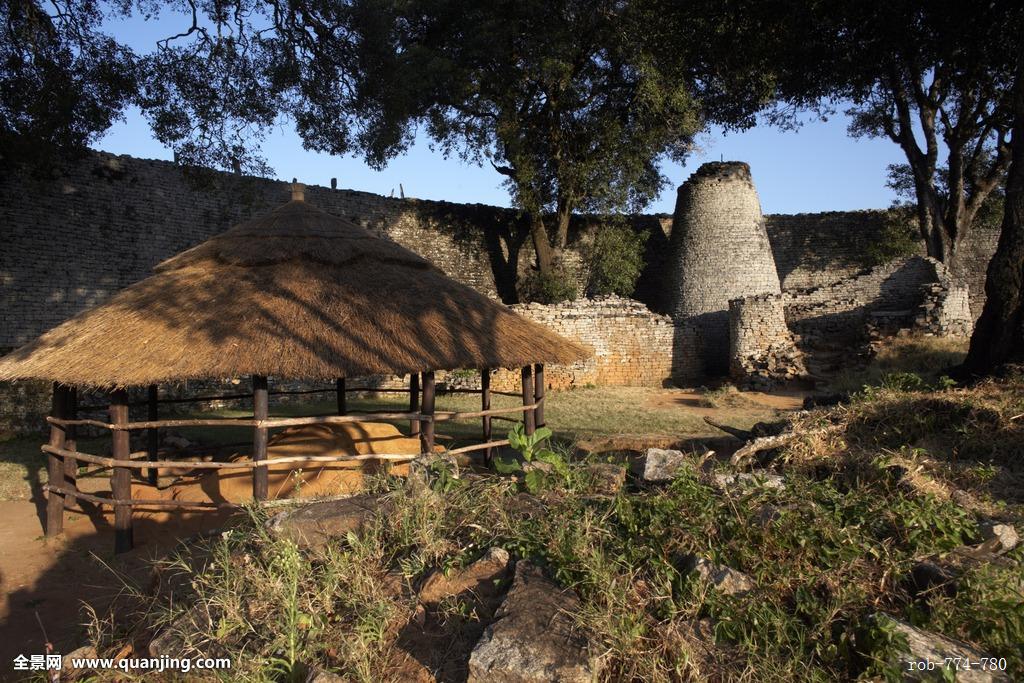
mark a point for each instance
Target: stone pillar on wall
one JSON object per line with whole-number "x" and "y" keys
{"x": 720, "y": 251}
{"x": 762, "y": 352}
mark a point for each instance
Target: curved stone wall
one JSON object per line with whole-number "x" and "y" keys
{"x": 720, "y": 251}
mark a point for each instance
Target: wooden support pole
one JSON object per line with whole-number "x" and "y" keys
{"x": 414, "y": 401}
{"x": 427, "y": 409}
{"x": 71, "y": 444}
{"x": 485, "y": 404}
{"x": 121, "y": 478}
{"x": 260, "y": 409}
{"x": 153, "y": 434}
{"x": 526, "y": 374}
{"x": 538, "y": 394}
{"x": 55, "y": 464}
{"x": 339, "y": 386}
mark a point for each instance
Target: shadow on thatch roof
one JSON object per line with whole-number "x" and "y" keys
{"x": 297, "y": 293}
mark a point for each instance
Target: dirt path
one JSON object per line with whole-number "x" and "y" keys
{"x": 46, "y": 582}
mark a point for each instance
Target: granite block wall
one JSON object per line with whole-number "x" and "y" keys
{"x": 762, "y": 352}
{"x": 632, "y": 346}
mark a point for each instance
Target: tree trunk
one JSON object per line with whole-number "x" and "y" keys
{"x": 541, "y": 244}
{"x": 998, "y": 337}
{"x": 563, "y": 214}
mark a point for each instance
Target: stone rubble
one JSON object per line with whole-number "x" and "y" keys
{"x": 534, "y": 638}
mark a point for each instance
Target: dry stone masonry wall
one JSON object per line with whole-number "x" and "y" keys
{"x": 73, "y": 239}
{"x": 632, "y": 346}
{"x": 762, "y": 352}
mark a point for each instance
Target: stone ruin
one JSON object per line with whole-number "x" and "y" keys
{"x": 732, "y": 315}
{"x": 766, "y": 299}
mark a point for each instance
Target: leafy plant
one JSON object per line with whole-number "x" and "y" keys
{"x": 531, "y": 451}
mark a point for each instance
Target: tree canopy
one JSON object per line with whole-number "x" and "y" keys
{"x": 63, "y": 81}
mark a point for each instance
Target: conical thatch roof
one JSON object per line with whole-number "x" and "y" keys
{"x": 298, "y": 294}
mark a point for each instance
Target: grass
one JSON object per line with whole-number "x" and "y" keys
{"x": 866, "y": 497}
{"x": 927, "y": 357}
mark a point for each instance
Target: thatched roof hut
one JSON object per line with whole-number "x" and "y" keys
{"x": 296, "y": 293}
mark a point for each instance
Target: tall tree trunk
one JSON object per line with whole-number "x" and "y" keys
{"x": 998, "y": 337}
{"x": 541, "y": 244}
{"x": 562, "y": 214}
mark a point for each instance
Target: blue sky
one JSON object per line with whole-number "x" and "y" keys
{"x": 818, "y": 167}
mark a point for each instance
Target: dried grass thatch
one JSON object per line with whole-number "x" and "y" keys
{"x": 297, "y": 293}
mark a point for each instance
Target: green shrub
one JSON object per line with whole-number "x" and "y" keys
{"x": 615, "y": 259}
{"x": 551, "y": 288}
{"x": 897, "y": 238}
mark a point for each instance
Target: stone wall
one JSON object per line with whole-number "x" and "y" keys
{"x": 72, "y": 241}
{"x": 632, "y": 346}
{"x": 840, "y": 312}
{"x": 761, "y": 348}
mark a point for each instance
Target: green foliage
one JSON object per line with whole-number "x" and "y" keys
{"x": 531, "y": 451}
{"x": 616, "y": 259}
{"x": 899, "y": 237}
{"x": 549, "y": 288}
{"x": 63, "y": 81}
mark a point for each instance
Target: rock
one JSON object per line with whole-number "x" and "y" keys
{"x": 173, "y": 640}
{"x": 930, "y": 577}
{"x": 660, "y": 464}
{"x": 724, "y": 579}
{"x": 478, "y": 577}
{"x": 317, "y": 524}
{"x": 67, "y": 671}
{"x": 318, "y": 675}
{"x": 426, "y": 468}
{"x": 999, "y": 538}
{"x": 765, "y": 515}
{"x": 177, "y": 441}
{"x": 535, "y": 637}
{"x": 925, "y": 647}
{"x": 606, "y": 478}
{"x": 724, "y": 481}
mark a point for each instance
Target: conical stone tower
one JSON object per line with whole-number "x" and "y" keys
{"x": 720, "y": 251}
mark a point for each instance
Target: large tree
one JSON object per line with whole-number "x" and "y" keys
{"x": 62, "y": 80}
{"x": 561, "y": 97}
{"x": 934, "y": 77}
{"x": 999, "y": 334}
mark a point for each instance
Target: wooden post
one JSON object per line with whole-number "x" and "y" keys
{"x": 427, "y": 408}
{"x": 71, "y": 444}
{"x": 339, "y": 385}
{"x": 485, "y": 404}
{"x": 414, "y": 401}
{"x": 526, "y": 375}
{"x": 152, "y": 435}
{"x": 260, "y": 411}
{"x": 121, "y": 479}
{"x": 55, "y": 464}
{"x": 538, "y": 393}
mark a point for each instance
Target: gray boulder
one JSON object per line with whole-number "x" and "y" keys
{"x": 999, "y": 538}
{"x": 660, "y": 465}
{"x": 534, "y": 637}
{"x": 723, "y": 579}
{"x": 725, "y": 481}
{"x": 924, "y": 647}
{"x": 605, "y": 477}
{"x": 316, "y": 524}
